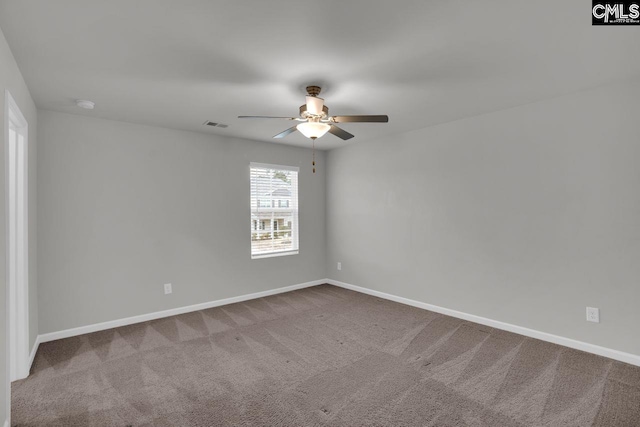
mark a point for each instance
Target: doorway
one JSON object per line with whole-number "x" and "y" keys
{"x": 17, "y": 220}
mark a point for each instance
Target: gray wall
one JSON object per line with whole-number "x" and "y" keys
{"x": 11, "y": 79}
{"x": 526, "y": 215}
{"x": 125, "y": 208}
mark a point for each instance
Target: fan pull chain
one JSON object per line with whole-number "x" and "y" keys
{"x": 313, "y": 151}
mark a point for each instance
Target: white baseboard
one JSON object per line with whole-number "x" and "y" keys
{"x": 567, "y": 342}
{"x": 51, "y": 336}
{"x": 24, "y": 372}
{"x": 544, "y": 336}
{"x": 6, "y": 423}
{"x": 34, "y": 350}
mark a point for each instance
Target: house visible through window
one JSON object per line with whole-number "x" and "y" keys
{"x": 274, "y": 210}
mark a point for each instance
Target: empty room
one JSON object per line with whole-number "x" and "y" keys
{"x": 338, "y": 213}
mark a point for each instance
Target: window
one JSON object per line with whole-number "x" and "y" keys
{"x": 274, "y": 203}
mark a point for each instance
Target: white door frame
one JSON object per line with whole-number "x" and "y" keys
{"x": 17, "y": 238}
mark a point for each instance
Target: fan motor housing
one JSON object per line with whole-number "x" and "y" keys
{"x": 303, "y": 112}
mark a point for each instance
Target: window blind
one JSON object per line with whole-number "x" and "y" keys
{"x": 274, "y": 210}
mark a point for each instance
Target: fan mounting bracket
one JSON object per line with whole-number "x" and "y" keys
{"x": 313, "y": 90}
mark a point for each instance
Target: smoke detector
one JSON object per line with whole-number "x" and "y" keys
{"x": 87, "y": 105}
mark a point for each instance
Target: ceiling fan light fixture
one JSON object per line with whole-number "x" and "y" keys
{"x": 313, "y": 130}
{"x": 316, "y": 121}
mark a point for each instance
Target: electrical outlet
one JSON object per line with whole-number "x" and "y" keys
{"x": 167, "y": 288}
{"x": 339, "y": 265}
{"x": 593, "y": 314}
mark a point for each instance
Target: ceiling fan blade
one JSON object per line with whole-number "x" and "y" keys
{"x": 340, "y": 133}
{"x": 361, "y": 119}
{"x": 266, "y": 117}
{"x": 286, "y": 132}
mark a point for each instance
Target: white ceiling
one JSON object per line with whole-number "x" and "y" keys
{"x": 178, "y": 63}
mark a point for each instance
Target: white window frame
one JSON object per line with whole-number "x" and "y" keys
{"x": 295, "y": 208}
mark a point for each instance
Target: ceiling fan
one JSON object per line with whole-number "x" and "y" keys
{"x": 315, "y": 119}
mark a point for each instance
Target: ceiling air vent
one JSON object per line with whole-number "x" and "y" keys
{"x": 216, "y": 125}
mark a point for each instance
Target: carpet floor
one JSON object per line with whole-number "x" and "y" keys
{"x": 321, "y": 356}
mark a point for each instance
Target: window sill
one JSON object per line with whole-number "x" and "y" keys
{"x": 274, "y": 254}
